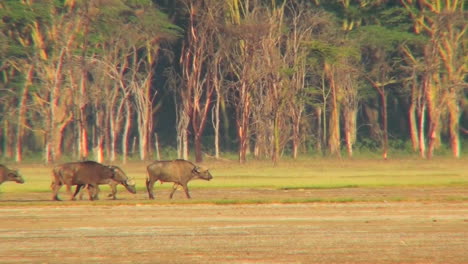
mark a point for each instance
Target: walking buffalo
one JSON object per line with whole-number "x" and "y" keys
{"x": 87, "y": 173}
{"x": 180, "y": 172}
{"x": 7, "y": 174}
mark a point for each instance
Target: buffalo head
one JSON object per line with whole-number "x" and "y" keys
{"x": 120, "y": 177}
{"x": 202, "y": 173}
{"x": 14, "y": 175}
{"x": 130, "y": 185}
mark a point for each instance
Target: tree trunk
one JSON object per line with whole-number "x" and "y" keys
{"x": 276, "y": 138}
{"x": 98, "y": 149}
{"x": 216, "y": 123}
{"x": 83, "y": 131}
{"x": 198, "y": 148}
{"x": 242, "y": 144}
{"x": 7, "y": 144}
{"x": 182, "y": 133}
{"x": 413, "y": 125}
{"x": 128, "y": 123}
{"x": 350, "y": 129}
{"x": 421, "y": 135}
{"x": 296, "y": 133}
{"x": 383, "y": 99}
{"x": 47, "y": 151}
{"x": 433, "y": 112}
{"x": 320, "y": 136}
{"x": 454, "y": 115}
{"x": 242, "y": 131}
{"x": 57, "y": 134}
{"x": 112, "y": 137}
{"x": 334, "y": 121}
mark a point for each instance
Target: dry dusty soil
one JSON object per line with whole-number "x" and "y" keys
{"x": 413, "y": 231}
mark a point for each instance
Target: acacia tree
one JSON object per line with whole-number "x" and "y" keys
{"x": 127, "y": 40}
{"x": 302, "y": 22}
{"x": 417, "y": 103}
{"x": 380, "y": 49}
{"x": 55, "y": 42}
{"x": 444, "y": 22}
{"x": 17, "y": 69}
{"x": 198, "y": 61}
{"x": 246, "y": 61}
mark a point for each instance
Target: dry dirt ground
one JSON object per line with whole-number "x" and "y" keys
{"x": 419, "y": 230}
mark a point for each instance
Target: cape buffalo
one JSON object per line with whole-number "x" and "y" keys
{"x": 7, "y": 174}
{"x": 87, "y": 173}
{"x": 180, "y": 172}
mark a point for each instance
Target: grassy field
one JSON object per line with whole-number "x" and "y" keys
{"x": 305, "y": 211}
{"x": 288, "y": 175}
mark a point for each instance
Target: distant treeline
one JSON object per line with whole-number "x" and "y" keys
{"x": 256, "y": 77}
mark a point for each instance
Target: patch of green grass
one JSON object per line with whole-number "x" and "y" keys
{"x": 305, "y": 173}
{"x": 318, "y": 187}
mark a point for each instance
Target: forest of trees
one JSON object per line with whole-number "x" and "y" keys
{"x": 107, "y": 79}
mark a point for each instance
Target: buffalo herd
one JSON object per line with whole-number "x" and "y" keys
{"x": 91, "y": 174}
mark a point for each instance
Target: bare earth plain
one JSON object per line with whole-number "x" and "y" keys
{"x": 428, "y": 227}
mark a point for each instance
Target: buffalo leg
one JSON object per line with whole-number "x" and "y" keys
{"x": 186, "y": 191}
{"x": 174, "y": 188}
{"x": 93, "y": 192}
{"x": 55, "y": 189}
{"x": 149, "y": 187}
{"x": 113, "y": 193}
{"x": 78, "y": 188}
{"x": 96, "y": 192}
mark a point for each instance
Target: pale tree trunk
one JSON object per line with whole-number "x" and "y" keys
{"x": 433, "y": 111}
{"x": 47, "y": 151}
{"x": 296, "y": 132}
{"x": 182, "y": 135}
{"x": 242, "y": 120}
{"x": 347, "y": 80}
{"x": 413, "y": 124}
{"x": 216, "y": 120}
{"x": 99, "y": 137}
{"x": 276, "y": 138}
{"x": 8, "y": 149}
{"x": 383, "y": 99}
{"x": 454, "y": 115}
{"x": 421, "y": 134}
{"x": 334, "y": 120}
{"x": 112, "y": 137}
{"x": 125, "y": 134}
{"x": 143, "y": 137}
{"x": 99, "y": 149}
{"x": 83, "y": 126}
{"x": 350, "y": 129}
{"x": 320, "y": 130}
